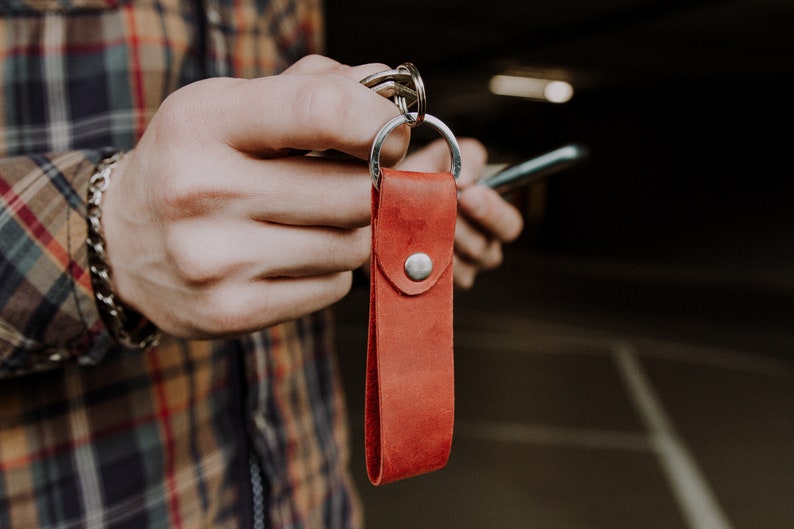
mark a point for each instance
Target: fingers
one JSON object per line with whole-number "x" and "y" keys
{"x": 322, "y": 64}
{"x": 435, "y": 156}
{"x": 297, "y": 190}
{"x": 211, "y": 253}
{"x": 267, "y": 116}
{"x": 483, "y": 226}
{"x": 233, "y": 281}
{"x": 318, "y": 192}
{"x": 465, "y": 273}
{"x": 250, "y": 306}
{"x": 475, "y": 247}
{"x": 491, "y": 212}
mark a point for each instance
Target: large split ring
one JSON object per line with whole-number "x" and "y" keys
{"x": 408, "y": 119}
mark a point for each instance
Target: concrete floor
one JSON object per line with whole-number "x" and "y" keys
{"x": 595, "y": 394}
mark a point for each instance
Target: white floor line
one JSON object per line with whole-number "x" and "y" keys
{"x": 511, "y": 330}
{"x": 695, "y": 498}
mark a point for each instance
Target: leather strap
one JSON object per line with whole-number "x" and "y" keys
{"x": 410, "y": 393}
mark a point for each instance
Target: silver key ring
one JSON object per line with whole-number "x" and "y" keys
{"x": 408, "y": 119}
{"x": 404, "y": 86}
{"x": 421, "y": 94}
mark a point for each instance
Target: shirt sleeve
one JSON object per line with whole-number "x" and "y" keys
{"x": 48, "y": 317}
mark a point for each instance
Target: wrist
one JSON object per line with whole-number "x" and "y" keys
{"x": 126, "y": 326}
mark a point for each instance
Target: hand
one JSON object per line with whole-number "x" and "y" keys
{"x": 485, "y": 219}
{"x": 214, "y": 227}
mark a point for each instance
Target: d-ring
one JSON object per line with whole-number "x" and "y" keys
{"x": 407, "y": 119}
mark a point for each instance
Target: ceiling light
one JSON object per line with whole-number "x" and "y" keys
{"x": 536, "y": 88}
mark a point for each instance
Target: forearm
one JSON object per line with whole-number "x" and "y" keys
{"x": 48, "y": 317}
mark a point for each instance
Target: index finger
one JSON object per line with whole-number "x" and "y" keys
{"x": 314, "y": 111}
{"x": 321, "y": 64}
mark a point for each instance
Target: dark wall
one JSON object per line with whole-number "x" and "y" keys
{"x": 699, "y": 174}
{"x": 686, "y": 165}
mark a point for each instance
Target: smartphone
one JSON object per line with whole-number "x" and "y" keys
{"x": 536, "y": 168}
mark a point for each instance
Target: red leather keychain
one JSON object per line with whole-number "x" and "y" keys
{"x": 410, "y": 390}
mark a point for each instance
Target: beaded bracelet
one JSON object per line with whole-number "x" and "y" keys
{"x": 127, "y": 327}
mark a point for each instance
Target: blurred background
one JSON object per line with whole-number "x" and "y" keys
{"x": 631, "y": 364}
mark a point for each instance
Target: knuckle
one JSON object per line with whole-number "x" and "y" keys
{"x": 473, "y": 150}
{"x": 221, "y": 317}
{"x": 464, "y": 275}
{"x": 479, "y": 247}
{"x": 518, "y": 227}
{"x": 192, "y": 265}
{"x": 472, "y": 248}
{"x": 178, "y": 110}
{"x": 467, "y": 283}
{"x": 177, "y": 198}
{"x": 346, "y": 249}
{"x": 494, "y": 256}
{"x": 336, "y": 287}
{"x": 360, "y": 249}
{"x": 377, "y": 66}
{"x": 191, "y": 194}
{"x": 190, "y": 116}
{"x": 342, "y": 284}
{"x": 323, "y": 108}
{"x": 221, "y": 312}
{"x": 315, "y": 62}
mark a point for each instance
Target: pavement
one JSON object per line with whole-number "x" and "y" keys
{"x": 603, "y": 394}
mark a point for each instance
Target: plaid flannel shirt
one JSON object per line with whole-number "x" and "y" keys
{"x": 243, "y": 433}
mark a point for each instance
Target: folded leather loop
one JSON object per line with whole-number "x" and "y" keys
{"x": 409, "y": 409}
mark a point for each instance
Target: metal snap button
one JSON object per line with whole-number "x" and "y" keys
{"x": 418, "y": 266}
